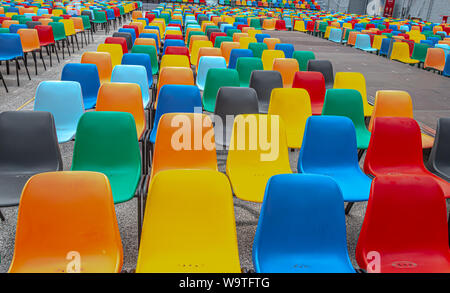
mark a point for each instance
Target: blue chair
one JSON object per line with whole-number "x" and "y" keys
{"x": 133, "y": 74}
{"x": 435, "y": 40}
{"x": 87, "y": 75}
{"x": 235, "y": 54}
{"x": 393, "y": 27}
{"x": 173, "y": 43}
{"x": 335, "y": 35}
{"x": 329, "y": 148}
{"x": 224, "y": 26}
{"x": 13, "y": 28}
{"x": 384, "y": 49}
{"x": 174, "y": 98}
{"x": 143, "y": 18}
{"x": 288, "y": 49}
{"x": 128, "y": 30}
{"x": 139, "y": 59}
{"x": 11, "y": 49}
{"x": 404, "y": 28}
{"x": 151, "y": 36}
{"x": 66, "y": 108}
{"x": 428, "y": 42}
{"x": 288, "y": 22}
{"x": 301, "y": 227}
{"x": 205, "y": 63}
{"x": 42, "y": 11}
{"x": 13, "y": 9}
{"x": 260, "y": 37}
{"x": 363, "y": 43}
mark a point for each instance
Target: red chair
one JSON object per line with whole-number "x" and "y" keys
{"x": 46, "y": 39}
{"x": 280, "y": 25}
{"x": 118, "y": 40}
{"x": 370, "y": 25}
{"x": 135, "y": 27}
{"x": 396, "y": 148}
{"x": 240, "y": 26}
{"x": 405, "y": 227}
{"x": 314, "y": 83}
{"x": 172, "y": 50}
{"x": 150, "y": 16}
{"x": 173, "y": 37}
{"x": 116, "y": 12}
{"x": 214, "y": 35}
{"x": 310, "y": 26}
{"x": 3, "y": 18}
{"x": 36, "y": 18}
{"x": 175, "y": 25}
{"x": 406, "y": 36}
{"x": 66, "y": 16}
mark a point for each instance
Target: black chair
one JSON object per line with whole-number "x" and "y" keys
{"x": 127, "y": 36}
{"x": 212, "y": 30}
{"x": 28, "y": 146}
{"x": 264, "y": 81}
{"x": 326, "y": 68}
{"x": 439, "y": 160}
{"x": 32, "y": 24}
{"x": 232, "y": 101}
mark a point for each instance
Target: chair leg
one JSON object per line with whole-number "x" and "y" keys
{"x": 76, "y": 39}
{"x": 35, "y": 62}
{"x": 7, "y": 67}
{"x": 4, "y": 83}
{"x": 49, "y": 53}
{"x": 68, "y": 46}
{"x": 139, "y": 217}
{"x": 56, "y": 52}
{"x": 62, "y": 46}
{"x": 17, "y": 72}
{"x": 2, "y": 217}
{"x": 349, "y": 207}
{"x": 73, "y": 44}
{"x": 42, "y": 58}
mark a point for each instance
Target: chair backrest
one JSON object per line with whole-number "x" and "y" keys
{"x": 264, "y": 81}
{"x": 177, "y": 144}
{"x": 133, "y": 74}
{"x": 435, "y": 59}
{"x": 88, "y": 77}
{"x": 30, "y": 143}
{"x": 45, "y": 34}
{"x": 391, "y": 224}
{"x": 314, "y": 83}
{"x": 205, "y": 224}
{"x": 115, "y": 50}
{"x": 118, "y": 40}
{"x": 86, "y": 210}
{"x": 325, "y": 67}
{"x": 123, "y": 97}
{"x": 150, "y": 51}
{"x": 245, "y": 66}
{"x": 29, "y": 39}
{"x": 141, "y": 59}
{"x": 215, "y": 79}
{"x": 356, "y": 81}
{"x": 287, "y": 68}
{"x": 268, "y": 57}
{"x": 174, "y": 75}
{"x": 395, "y": 146}
{"x": 235, "y": 54}
{"x": 289, "y": 224}
{"x": 127, "y": 37}
{"x": 103, "y": 62}
{"x": 174, "y": 61}
{"x": 196, "y": 45}
{"x": 130, "y": 31}
{"x": 439, "y": 159}
{"x": 271, "y": 42}
{"x": 205, "y": 64}
{"x": 288, "y": 49}
{"x": 302, "y": 58}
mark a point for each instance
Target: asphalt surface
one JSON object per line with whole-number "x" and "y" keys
{"x": 430, "y": 93}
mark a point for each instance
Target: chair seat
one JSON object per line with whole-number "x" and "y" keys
{"x": 43, "y": 44}
{"x": 426, "y": 262}
{"x": 11, "y": 186}
{"x": 9, "y": 57}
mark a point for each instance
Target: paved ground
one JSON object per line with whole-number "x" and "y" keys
{"x": 429, "y": 91}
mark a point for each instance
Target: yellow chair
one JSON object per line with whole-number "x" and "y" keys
{"x": 400, "y": 52}
{"x": 244, "y": 41}
{"x": 238, "y": 36}
{"x": 115, "y": 50}
{"x": 327, "y": 31}
{"x": 251, "y": 33}
{"x": 173, "y": 32}
{"x": 355, "y": 81}
{"x": 268, "y": 57}
{"x": 174, "y": 61}
{"x": 299, "y": 26}
{"x": 186, "y": 229}
{"x": 258, "y": 150}
{"x": 293, "y": 105}
{"x": 57, "y": 12}
{"x": 196, "y": 47}
{"x": 287, "y": 68}
{"x": 377, "y": 40}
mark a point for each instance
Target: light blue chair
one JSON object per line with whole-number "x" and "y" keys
{"x": 175, "y": 98}
{"x": 363, "y": 43}
{"x": 335, "y": 35}
{"x": 224, "y": 26}
{"x": 139, "y": 59}
{"x": 87, "y": 75}
{"x": 42, "y": 11}
{"x": 66, "y": 108}
{"x": 329, "y": 148}
{"x": 235, "y": 54}
{"x": 301, "y": 227}
{"x": 205, "y": 63}
{"x": 288, "y": 49}
{"x": 288, "y": 22}
{"x": 133, "y": 74}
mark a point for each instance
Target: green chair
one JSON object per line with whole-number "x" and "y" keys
{"x": 56, "y": 18}
{"x": 87, "y": 25}
{"x": 302, "y": 58}
{"x": 59, "y": 35}
{"x": 420, "y": 52}
{"x": 389, "y": 35}
{"x": 219, "y": 40}
{"x": 166, "y": 17}
{"x": 151, "y": 51}
{"x": 215, "y": 79}
{"x": 245, "y": 66}
{"x": 322, "y": 28}
{"x": 23, "y": 20}
{"x": 348, "y": 103}
{"x": 257, "y": 49}
{"x": 381, "y": 27}
{"x": 194, "y": 33}
{"x": 347, "y": 33}
{"x": 254, "y": 22}
{"x": 4, "y": 30}
{"x": 231, "y": 32}
{"x": 100, "y": 18}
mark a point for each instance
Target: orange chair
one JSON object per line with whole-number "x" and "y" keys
{"x": 45, "y": 21}
{"x": 79, "y": 29}
{"x": 287, "y": 67}
{"x": 208, "y": 51}
{"x": 226, "y": 48}
{"x": 7, "y": 23}
{"x": 271, "y": 42}
{"x": 352, "y": 38}
{"x": 123, "y": 97}
{"x": 238, "y": 36}
{"x": 396, "y": 104}
{"x": 103, "y": 62}
{"x": 52, "y": 230}
{"x": 196, "y": 38}
{"x": 174, "y": 75}
{"x": 139, "y": 25}
{"x": 146, "y": 42}
{"x": 435, "y": 59}
{"x": 136, "y": 14}
{"x": 269, "y": 24}
{"x": 181, "y": 144}
{"x": 30, "y": 44}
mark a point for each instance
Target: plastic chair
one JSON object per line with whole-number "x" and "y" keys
{"x": 141, "y": 59}
{"x": 268, "y": 57}
{"x": 150, "y": 51}
{"x": 335, "y": 35}
{"x": 250, "y": 164}
{"x": 395, "y": 148}
{"x": 11, "y": 49}
{"x": 356, "y": 81}
{"x": 329, "y": 148}
{"x": 264, "y": 81}
{"x": 226, "y": 48}
{"x": 196, "y": 45}
{"x": 88, "y": 77}
{"x": 287, "y": 68}
{"x": 420, "y": 52}
{"x": 269, "y": 24}
{"x": 130, "y": 31}
{"x": 232, "y": 101}
{"x": 123, "y": 97}
{"x": 215, "y": 79}
{"x": 133, "y": 74}
{"x": 86, "y": 210}
{"x": 390, "y": 103}
{"x": 30, "y": 44}
{"x": 205, "y": 64}
{"x": 292, "y": 237}
{"x": 235, "y": 54}
{"x": 435, "y": 59}
{"x": 385, "y": 45}
{"x": 66, "y": 109}
{"x": 245, "y": 66}
{"x": 325, "y": 67}
{"x": 302, "y": 58}
{"x": 288, "y": 49}
{"x": 118, "y": 40}
{"x": 438, "y": 161}
{"x": 260, "y": 37}
{"x": 294, "y": 107}
{"x": 103, "y": 62}
{"x": 363, "y": 43}
{"x": 175, "y": 98}
{"x": 204, "y": 224}
{"x": 115, "y": 50}
{"x": 207, "y": 51}
{"x": 400, "y": 52}
{"x": 174, "y": 61}
{"x": 30, "y": 147}
{"x": 245, "y": 41}
{"x": 314, "y": 83}
{"x": 257, "y": 49}
{"x": 271, "y": 42}
{"x": 405, "y": 243}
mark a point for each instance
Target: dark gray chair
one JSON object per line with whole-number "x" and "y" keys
{"x": 439, "y": 160}
{"x": 264, "y": 81}
{"x": 326, "y": 68}
{"x": 126, "y": 36}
